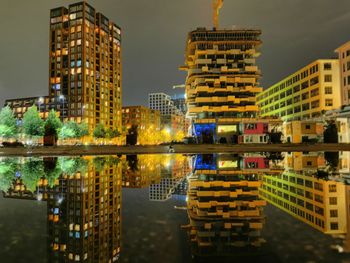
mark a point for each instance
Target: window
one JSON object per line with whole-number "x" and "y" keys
{"x": 334, "y": 226}
{"x": 329, "y": 102}
{"x": 328, "y": 90}
{"x": 319, "y": 210}
{"x": 332, "y": 188}
{"x": 309, "y": 206}
{"x": 305, "y": 95}
{"x": 334, "y": 213}
{"x": 319, "y": 198}
{"x": 318, "y": 186}
{"x": 333, "y": 200}
{"x": 328, "y": 78}
{"x": 315, "y": 104}
{"x": 314, "y": 92}
{"x": 306, "y": 106}
{"x": 327, "y": 66}
{"x": 308, "y": 183}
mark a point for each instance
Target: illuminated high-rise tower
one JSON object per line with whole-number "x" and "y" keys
{"x": 85, "y": 65}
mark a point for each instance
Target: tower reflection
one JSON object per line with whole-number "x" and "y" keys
{"x": 224, "y": 207}
{"x": 83, "y": 199}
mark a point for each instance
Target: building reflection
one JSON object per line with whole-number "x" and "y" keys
{"x": 164, "y": 175}
{"x": 83, "y": 206}
{"x": 174, "y": 170}
{"x": 312, "y": 190}
{"x": 224, "y": 207}
{"x": 140, "y": 171}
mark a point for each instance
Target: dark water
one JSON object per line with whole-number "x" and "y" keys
{"x": 260, "y": 207}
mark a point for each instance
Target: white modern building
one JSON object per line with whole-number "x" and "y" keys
{"x": 163, "y": 103}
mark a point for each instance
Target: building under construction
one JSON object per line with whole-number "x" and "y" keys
{"x": 222, "y": 78}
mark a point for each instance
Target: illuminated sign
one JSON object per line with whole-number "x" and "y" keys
{"x": 227, "y": 128}
{"x": 228, "y": 164}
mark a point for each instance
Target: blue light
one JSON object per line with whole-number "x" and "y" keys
{"x": 205, "y": 162}
{"x": 199, "y": 129}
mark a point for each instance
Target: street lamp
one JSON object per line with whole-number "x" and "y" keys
{"x": 62, "y": 98}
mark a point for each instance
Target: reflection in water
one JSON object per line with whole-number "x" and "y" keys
{"x": 226, "y": 197}
{"x": 83, "y": 204}
{"x": 308, "y": 191}
{"x": 224, "y": 207}
{"x": 163, "y": 174}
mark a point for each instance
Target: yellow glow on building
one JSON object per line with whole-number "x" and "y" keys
{"x": 147, "y": 122}
{"x": 307, "y": 93}
{"x": 314, "y": 201}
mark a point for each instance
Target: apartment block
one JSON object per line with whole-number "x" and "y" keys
{"x": 85, "y": 71}
{"x": 222, "y": 78}
{"x": 148, "y": 123}
{"x": 44, "y": 105}
{"x": 85, "y": 65}
{"x": 162, "y": 102}
{"x": 307, "y": 93}
{"x": 344, "y": 65}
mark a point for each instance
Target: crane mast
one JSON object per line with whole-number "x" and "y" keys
{"x": 217, "y": 5}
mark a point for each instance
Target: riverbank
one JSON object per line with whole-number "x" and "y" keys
{"x": 162, "y": 149}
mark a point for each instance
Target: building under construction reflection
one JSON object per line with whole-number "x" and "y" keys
{"x": 224, "y": 207}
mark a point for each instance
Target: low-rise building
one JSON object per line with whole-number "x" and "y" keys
{"x": 303, "y": 131}
{"x": 44, "y": 105}
{"x": 315, "y": 201}
{"x": 146, "y": 121}
{"x": 245, "y": 130}
{"x": 307, "y": 93}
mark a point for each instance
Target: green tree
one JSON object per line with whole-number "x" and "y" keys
{"x": 71, "y": 166}
{"x": 52, "y": 124}
{"x": 83, "y": 130}
{"x": 52, "y": 170}
{"x": 33, "y": 125}
{"x": 8, "y": 127}
{"x": 110, "y": 133}
{"x": 72, "y": 130}
{"x": 69, "y": 130}
{"x": 32, "y": 171}
{"x": 8, "y": 168}
{"x": 99, "y": 131}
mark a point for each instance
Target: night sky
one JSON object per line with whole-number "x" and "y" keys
{"x": 295, "y": 33}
